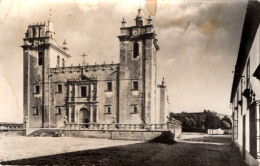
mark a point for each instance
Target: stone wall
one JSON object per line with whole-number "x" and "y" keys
{"x": 12, "y": 133}
{"x": 113, "y": 134}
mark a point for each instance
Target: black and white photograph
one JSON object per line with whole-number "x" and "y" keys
{"x": 130, "y": 82}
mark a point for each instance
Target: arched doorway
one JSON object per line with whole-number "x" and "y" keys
{"x": 84, "y": 115}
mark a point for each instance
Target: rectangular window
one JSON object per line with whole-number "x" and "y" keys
{"x": 36, "y": 111}
{"x": 72, "y": 115}
{"x": 36, "y": 89}
{"x": 136, "y": 50}
{"x": 83, "y": 91}
{"x": 135, "y": 85}
{"x": 58, "y": 110}
{"x": 34, "y": 32}
{"x": 235, "y": 130}
{"x": 40, "y": 58}
{"x": 135, "y": 109}
{"x": 108, "y": 109}
{"x": 59, "y": 88}
{"x": 94, "y": 114}
{"x": 109, "y": 86}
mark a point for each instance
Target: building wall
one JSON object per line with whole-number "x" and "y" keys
{"x": 104, "y": 98}
{"x": 246, "y": 97}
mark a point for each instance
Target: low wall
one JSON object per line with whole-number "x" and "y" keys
{"x": 12, "y": 129}
{"x": 12, "y": 132}
{"x": 114, "y": 134}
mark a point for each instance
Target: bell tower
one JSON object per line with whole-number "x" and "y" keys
{"x": 138, "y": 71}
{"x": 39, "y": 55}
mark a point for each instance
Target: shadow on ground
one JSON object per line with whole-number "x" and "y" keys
{"x": 148, "y": 153}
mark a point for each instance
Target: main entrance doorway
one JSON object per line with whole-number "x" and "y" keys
{"x": 84, "y": 115}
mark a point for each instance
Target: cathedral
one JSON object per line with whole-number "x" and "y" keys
{"x": 126, "y": 92}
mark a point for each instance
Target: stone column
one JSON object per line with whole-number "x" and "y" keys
{"x": 36, "y": 32}
{"x": 69, "y": 117}
{"x": 97, "y": 121}
{"x": 76, "y": 91}
{"x": 77, "y": 112}
{"x": 91, "y": 114}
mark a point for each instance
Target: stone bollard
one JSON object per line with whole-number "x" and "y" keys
{"x": 65, "y": 121}
{"x": 26, "y": 125}
{"x": 113, "y": 124}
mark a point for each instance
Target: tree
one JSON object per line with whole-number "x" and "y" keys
{"x": 212, "y": 121}
{"x": 224, "y": 125}
{"x": 228, "y": 120}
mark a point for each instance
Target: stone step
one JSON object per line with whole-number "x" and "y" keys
{"x": 46, "y": 133}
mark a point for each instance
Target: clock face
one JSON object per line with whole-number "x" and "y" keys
{"x": 135, "y": 32}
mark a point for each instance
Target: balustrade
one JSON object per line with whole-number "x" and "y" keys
{"x": 119, "y": 126}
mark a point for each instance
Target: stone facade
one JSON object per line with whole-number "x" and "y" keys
{"x": 101, "y": 93}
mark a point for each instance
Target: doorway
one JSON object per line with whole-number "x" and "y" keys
{"x": 84, "y": 115}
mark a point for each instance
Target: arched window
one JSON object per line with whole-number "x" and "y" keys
{"x": 40, "y": 58}
{"x": 136, "y": 50}
{"x": 63, "y": 62}
{"x": 39, "y": 33}
{"x": 58, "y": 61}
{"x": 141, "y": 23}
{"x": 34, "y": 32}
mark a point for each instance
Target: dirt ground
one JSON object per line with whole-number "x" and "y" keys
{"x": 201, "y": 150}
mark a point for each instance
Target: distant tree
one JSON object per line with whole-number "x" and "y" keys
{"x": 224, "y": 125}
{"x": 200, "y": 123}
{"x": 212, "y": 121}
{"x": 228, "y": 120}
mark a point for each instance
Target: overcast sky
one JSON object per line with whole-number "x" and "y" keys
{"x": 198, "y": 41}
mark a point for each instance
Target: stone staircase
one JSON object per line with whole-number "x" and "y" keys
{"x": 46, "y": 132}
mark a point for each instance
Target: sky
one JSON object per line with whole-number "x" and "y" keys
{"x": 199, "y": 42}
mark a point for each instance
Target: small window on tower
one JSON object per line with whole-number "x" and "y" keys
{"x": 135, "y": 109}
{"x": 136, "y": 50}
{"x": 37, "y": 89}
{"x": 108, "y": 109}
{"x": 36, "y": 111}
{"x": 59, "y": 88}
{"x": 109, "y": 86}
{"x": 141, "y": 22}
{"x": 34, "y": 32}
{"x": 83, "y": 91}
{"x": 58, "y": 111}
{"x": 40, "y": 58}
{"x": 39, "y": 31}
{"x": 135, "y": 85}
{"x": 63, "y": 62}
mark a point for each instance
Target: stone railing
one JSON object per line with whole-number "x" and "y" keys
{"x": 11, "y": 126}
{"x": 86, "y": 68}
{"x": 117, "y": 126}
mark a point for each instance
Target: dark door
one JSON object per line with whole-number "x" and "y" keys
{"x": 84, "y": 115}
